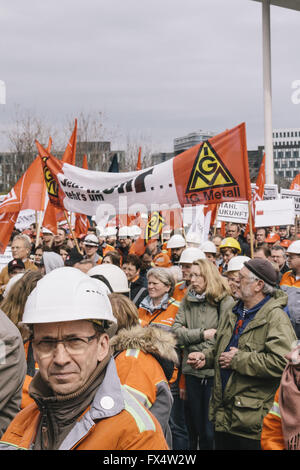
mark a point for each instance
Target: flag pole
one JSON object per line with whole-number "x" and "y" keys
{"x": 38, "y": 231}
{"x": 250, "y": 228}
{"x": 72, "y": 233}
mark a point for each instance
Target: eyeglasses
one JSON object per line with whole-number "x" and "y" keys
{"x": 75, "y": 345}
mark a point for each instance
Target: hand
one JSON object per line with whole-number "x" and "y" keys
{"x": 226, "y": 358}
{"x": 209, "y": 334}
{"x": 196, "y": 360}
{"x": 182, "y": 394}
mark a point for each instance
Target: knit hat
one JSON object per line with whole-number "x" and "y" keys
{"x": 263, "y": 269}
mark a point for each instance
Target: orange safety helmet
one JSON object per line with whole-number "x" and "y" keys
{"x": 162, "y": 260}
{"x": 273, "y": 237}
{"x": 285, "y": 243}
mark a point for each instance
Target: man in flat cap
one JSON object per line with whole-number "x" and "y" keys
{"x": 252, "y": 341}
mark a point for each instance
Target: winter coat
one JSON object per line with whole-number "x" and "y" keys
{"x": 12, "y": 371}
{"x": 194, "y": 316}
{"x": 163, "y": 315}
{"x": 256, "y": 368}
{"x": 145, "y": 360}
{"x": 52, "y": 261}
{"x": 115, "y": 420}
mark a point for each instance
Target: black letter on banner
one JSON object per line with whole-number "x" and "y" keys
{"x": 139, "y": 181}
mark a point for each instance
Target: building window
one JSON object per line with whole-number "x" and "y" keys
{"x": 288, "y": 154}
{"x": 292, "y": 164}
{"x": 295, "y": 153}
{"x": 280, "y": 154}
{"x": 288, "y": 174}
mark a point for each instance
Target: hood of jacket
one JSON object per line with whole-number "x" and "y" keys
{"x": 149, "y": 339}
{"x": 52, "y": 261}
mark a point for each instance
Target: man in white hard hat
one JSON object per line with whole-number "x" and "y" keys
{"x": 290, "y": 283}
{"x": 124, "y": 241}
{"x": 176, "y": 244}
{"x": 90, "y": 246}
{"x": 79, "y": 401}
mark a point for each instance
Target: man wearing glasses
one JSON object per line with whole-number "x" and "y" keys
{"x": 79, "y": 401}
{"x": 248, "y": 358}
{"x": 290, "y": 283}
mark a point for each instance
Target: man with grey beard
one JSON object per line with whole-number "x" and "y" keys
{"x": 252, "y": 341}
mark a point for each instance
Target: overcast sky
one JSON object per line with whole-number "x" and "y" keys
{"x": 161, "y": 68}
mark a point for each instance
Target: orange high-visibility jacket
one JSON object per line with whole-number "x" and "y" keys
{"x": 271, "y": 436}
{"x": 114, "y": 421}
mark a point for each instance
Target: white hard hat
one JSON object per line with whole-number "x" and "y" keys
{"x": 294, "y": 248}
{"x": 113, "y": 274}
{"x": 236, "y": 263}
{"x": 91, "y": 240}
{"x": 135, "y": 231}
{"x": 100, "y": 231}
{"x": 189, "y": 255}
{"x": 110, "y": 231}
{"x": 209, "y": 247}
{"x": 176, "y": 241}
{"x": 67, "y": 294}
{"x": 193, "y": 237}
{"x": 124, "y": 232}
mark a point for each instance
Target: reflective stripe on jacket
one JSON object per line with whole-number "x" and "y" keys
{"x": 114, "y": 421}
{"x": 271, "y": 435}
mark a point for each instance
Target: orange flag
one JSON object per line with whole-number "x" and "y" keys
{"x": 28, "y": 192}
{"x": 139, "y": 162}
{"x": 7, "y": 223}
{"x": 215, "y": 171}
{"x": 295, "y": 184}
{"x": 52, "y": 214}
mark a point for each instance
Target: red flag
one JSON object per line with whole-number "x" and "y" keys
{"x": 139, "y": 162}
{"x": 7, "y": 223}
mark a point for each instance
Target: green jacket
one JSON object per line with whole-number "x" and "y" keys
{"x": 193, "y": 317}
{"x": 256, "y": 368}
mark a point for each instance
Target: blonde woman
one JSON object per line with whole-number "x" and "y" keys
{"x": 195, "y": 325}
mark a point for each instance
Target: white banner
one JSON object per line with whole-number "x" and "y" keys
{"x": 291, "y": 194}
{"x": 277, "y": 212}
{"x": 5, "y": 258}
{"x": 233, "y": 212}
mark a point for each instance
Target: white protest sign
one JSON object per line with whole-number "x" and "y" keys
{"x": 5, "y": 258}
{"x": 274, "y": 212}
{"x": 198, "y": 224}
{"x": 25, "y": 219}
{"x": 291, "y": 194}
{"x": 270, "y": 192}
{"x": 233, "y": 212}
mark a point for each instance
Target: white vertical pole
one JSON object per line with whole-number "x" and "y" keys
{"x": 267, "y": 85}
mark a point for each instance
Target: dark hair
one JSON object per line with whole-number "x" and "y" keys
{"x": 265, "y": 249}
{"x": 114, "y": 256}
{"x": 134, "y": 260}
